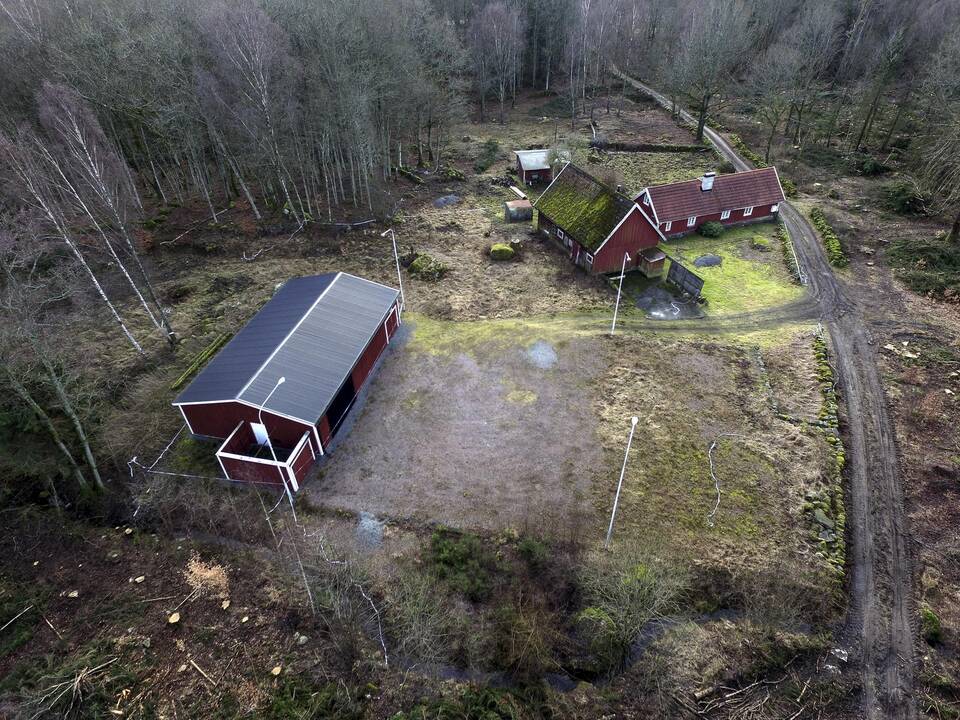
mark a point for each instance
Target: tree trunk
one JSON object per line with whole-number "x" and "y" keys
{"x": 45, "y": 420}
{"x": 955, "y": 230}
{"x": 702, "y": 118}
{"x": 61, "y": 392}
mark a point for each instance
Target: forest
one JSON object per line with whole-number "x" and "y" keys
{"x": 136, "y": 136}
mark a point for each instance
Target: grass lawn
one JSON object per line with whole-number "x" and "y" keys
{"x": 748, "y": 278}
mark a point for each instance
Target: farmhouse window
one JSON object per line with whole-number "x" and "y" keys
{"x": 646, "y": 200}
{"x": 774, "y": 208}
{"x": 747, "y": 211}
{"x": 667, "y": 225}
{"x": 588, "y": 261}
{"x": 560, "y": 234}
{"x": 691, "y": 220}
{"x": 725, "y": 215}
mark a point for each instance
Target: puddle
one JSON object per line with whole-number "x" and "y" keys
{"x": 369, "y": 531}
{"x": 708, "y": 261}
{"x": 660, "y": 304}
{"x": 542, "y": 354}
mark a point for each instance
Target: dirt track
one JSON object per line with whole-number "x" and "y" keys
{"x": 881, "y": 616}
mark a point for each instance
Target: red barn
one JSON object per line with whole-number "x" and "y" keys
{"x": 680, "y": 208}
{"x": 533, "y": 166}
{"x": 596, "y": 225}
{"x": 277, "y": 393}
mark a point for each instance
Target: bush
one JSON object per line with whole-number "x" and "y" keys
{"x": 929, "y": 267}
{"x": 789, "y": 187}
{"x": 726, "y": 167}
{"x": 501, "y": 251}
{"x": 904, "y": 197}
{"x": 930, "y": 626}
{"x": 464, "y": 562}
{"x": 746, "y": 152}
{"x": 789, "y": 256}
{"x": 487, "y": 155}
{"x": 869, "y": 166}
{"x": 711, "y": 229}
{"x": 831, "y": 242}
{"x": 534, "y": 552}
{"x": 426, "y": 267}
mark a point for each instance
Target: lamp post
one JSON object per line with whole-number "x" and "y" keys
{"x": 396, "y": 257}
{"x": 633, "y": 426}
{"x": 623, "y": 271}
{"x": 273, "y": 454}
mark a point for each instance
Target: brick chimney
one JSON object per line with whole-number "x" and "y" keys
{"x": 706, "y": 182}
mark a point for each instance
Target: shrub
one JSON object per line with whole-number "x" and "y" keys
{"x": 870, "y": 166}
{"x": 904, "y": 197}
{"x": 487, "y": 155}
{"x": 789, "y": 187}
{"x": 427, "y": 267}
{"x": 830, "y": 240}
{"x": 726, "y": 167}
{"x": 534, "y": 552}
{"x": 464, "y": 562}
{"x": 711, "y": 229}
{"x": 746, "y": 152}
{"x": 501, "y": 251}
{"x": 930, "y": 626}
{"x": 927, "y": 266}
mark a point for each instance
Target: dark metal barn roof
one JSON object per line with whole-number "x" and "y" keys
{"x": 311, "y": 333}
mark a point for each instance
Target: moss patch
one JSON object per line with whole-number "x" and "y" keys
{"x": 641, "y": 169}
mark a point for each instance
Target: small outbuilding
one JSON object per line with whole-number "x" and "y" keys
{"x": 534, "y": 166}
{"x": 680, "y": 208}
{"x": 596, "y": 225}
{"x": 279, "y": 391}
{"x": 517, "y": 210}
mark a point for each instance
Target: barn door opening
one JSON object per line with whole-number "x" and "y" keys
{"x": 341, "y": 404}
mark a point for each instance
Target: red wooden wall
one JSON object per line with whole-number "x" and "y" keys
{"x": 679, "y": 227}
{"x": 253, "y": 472}
{"x": 217, "y": 420}
{"x": 634, "y": 235}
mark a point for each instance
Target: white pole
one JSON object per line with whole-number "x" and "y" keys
{"x": 616, "y": 307}
{"x": 273, "y": 454}
{"x": 396, "y": 258}
{"x": 633, "y": 426}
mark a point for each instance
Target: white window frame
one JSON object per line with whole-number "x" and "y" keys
{"x": 667, "y": 225}
{"x": 560, "y": 234}
{"x": 775, "y": 207}
{"x": 588, "y": 261}
{"x": 747, "y": 212}
{"x": 691, "y": 221}
{"x": 725, "y": 215}
{"x": 646, "y": 200}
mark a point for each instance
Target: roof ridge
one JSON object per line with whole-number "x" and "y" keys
{"x": 719, "y": 176}
{"x": 287, "y": 337}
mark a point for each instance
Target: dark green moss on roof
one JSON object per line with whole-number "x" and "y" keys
{"x": 583, "y": 207}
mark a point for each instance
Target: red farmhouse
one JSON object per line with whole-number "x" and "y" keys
{"x": 280, "y": 389}
{"x": 598, "y": 226}
{"x": 680, "y": 208}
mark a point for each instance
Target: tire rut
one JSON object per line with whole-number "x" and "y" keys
{"x": 881, "y": 614}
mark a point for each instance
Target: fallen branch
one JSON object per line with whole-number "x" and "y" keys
{"x": 258, "y": 253}
{"x": 386, "y": 662}
{"x": 200, "y": 670}
{"x": 10, "y": 621}
{"x": 50, "y": 625}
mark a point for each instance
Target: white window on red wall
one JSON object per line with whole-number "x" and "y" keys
{"x": 691, "y": 221}
{"x": 725, "y": 215}
{"x": 774, "y": 208}
{"x": 667, "y": 225}
{"x": 560, "y": 233}
{"x": 747, "y": 211}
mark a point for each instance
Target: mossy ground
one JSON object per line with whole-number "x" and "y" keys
{"x": 747, "y": 279}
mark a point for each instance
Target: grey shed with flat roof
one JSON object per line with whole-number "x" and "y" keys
{"x": 311, "y": 332}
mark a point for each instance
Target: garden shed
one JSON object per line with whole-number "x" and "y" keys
{"x": 279, "y": 391}
{"x": 680, "y": 208}
{"x": 534, "y": 166}
{"x": 596, "y": 225}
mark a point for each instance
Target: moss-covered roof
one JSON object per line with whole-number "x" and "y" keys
{"x": 582, "y": 206}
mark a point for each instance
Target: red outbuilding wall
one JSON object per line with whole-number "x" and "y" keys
{"x": 760, "y": 213}
{"x": 218, "y": 420}
{"x": 253, "y": 472}
{"x": 633, "y": 235}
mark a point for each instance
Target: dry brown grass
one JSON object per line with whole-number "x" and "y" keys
{"x": 207, "y": 579}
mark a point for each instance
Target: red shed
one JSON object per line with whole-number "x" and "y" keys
{"x": 279, "y": 391}
{"x": 596, "y": 225}
{"x": 680, "y": 208}
{"x": 534, "y": 166}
